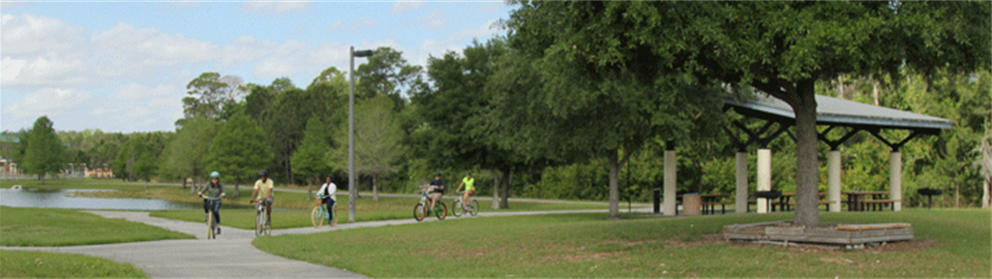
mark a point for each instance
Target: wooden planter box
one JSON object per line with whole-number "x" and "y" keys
{"x": 833, "y": 234}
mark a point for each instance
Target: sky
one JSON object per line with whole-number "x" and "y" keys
{"x": 123, "y": 66}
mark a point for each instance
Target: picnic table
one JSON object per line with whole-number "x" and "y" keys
{"x": 710, "y": 201}
{"x": 859, "y": 200}
{"x": 784, "y": 202}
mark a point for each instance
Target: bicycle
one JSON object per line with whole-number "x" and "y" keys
{"x": 459, "y": 206}
{"x": 419, "y": 212}
{"x": 211, "y": 226}
{"x": 318, "y": 214}
{"x": 261, "y": 227}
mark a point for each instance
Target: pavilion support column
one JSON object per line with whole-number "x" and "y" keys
{"x": 764, "y": 176}
{"x": 895, "y": 179}
{"x": 669, "y": 183}
{"x": 741, "y": 202}
{"x": 833, "y": 180}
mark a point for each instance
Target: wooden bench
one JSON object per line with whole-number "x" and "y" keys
{"x": 880, "y": 203}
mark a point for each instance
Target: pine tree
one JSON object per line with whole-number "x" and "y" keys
{"x": 44, "y": 154}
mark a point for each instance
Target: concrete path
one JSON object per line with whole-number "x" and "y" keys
{"x": 231, "y": 254}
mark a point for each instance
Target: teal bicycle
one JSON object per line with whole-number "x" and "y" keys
{"x": 419, "y": 211}
{"x": 319, "y": 214}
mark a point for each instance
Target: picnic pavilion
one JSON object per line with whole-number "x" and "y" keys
{"x": 830, "y": 112}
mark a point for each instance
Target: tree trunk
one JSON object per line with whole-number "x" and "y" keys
{"x": 957, "y": 195}
{"x": 42, "y": 178}
{"x": 192, "y": 190}
{"x": 505, "y": 195}
{"x": 375, "y": 188}
{"x": 184, "y": 183}
{"x": 496, "y": 190}
{"x": 874, "y": 92}
{"x": 310, "y": 189}
{"x": 614, "y": 188}
{"x": 985, "y": 194}
{"x": 237, "y": 192}
{"x": 807, "y": 188}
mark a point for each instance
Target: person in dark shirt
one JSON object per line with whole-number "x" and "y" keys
{"x": 438, "y": 185}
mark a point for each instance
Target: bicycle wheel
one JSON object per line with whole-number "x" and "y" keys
{"x": 442, "y": 211}
{"x": 457, "y": 208}
{"x": 317, "y": 217}
{"x": 211, "y": 232}
{"x": 418, "y": 212}
{"x": 259, "y": 222}
{"x": 475, "y": 208}
{"x": 268, "y": 225}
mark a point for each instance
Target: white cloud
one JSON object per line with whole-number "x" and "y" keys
{"x": 135, "y": 91}
{"x": 434, "y": 20}
{"x": 274, "y": 8}
{"x": 402, "y": 6}
{"x": 335, "y": 26}
{"x": 47, "y": 101}
{"x": 10, "y": 5}
{"x": 129, "y": 49}
{"x": 24, "y": 34}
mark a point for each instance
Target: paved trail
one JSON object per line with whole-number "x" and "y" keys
{"x": 231, "y": 254}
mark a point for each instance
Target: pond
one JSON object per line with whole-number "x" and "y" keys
{"x": 62, "y": 198}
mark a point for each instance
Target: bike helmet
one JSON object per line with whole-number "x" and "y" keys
{"x": 263, "y": 173}
{"x": 437, "y": 174}
{"x": 468, "y": 173}
{"x": 214, "y": 174}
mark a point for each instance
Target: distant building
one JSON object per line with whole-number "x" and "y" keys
{"x": 8, "y": 168}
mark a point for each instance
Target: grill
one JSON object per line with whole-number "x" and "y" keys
{"x": 929, "y": 192}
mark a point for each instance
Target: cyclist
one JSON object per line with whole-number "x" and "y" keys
{"x": 469, "y": 184}
{"x": 438, "y": 191}
{"x": 211, "y": 201}
{"x": 263, "y": 194}
{"x": 326, "y": 194}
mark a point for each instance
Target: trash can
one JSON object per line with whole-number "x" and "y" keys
{"x": 691, "y": 204}
{"x": 657, "y": 201}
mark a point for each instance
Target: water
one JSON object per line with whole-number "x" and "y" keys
{"x": 62, "y": 199}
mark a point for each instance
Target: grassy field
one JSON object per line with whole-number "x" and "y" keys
{"x": 949, "y": 243}
{"x": 30, "y": 264}
{"x": 63, "y": 227}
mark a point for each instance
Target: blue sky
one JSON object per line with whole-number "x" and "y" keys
{"x": 123, "y": 66}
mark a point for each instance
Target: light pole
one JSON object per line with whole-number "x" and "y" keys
{"x": 352, "y": 192}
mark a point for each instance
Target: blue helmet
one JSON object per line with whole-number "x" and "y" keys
{"x": 214, "y": 174}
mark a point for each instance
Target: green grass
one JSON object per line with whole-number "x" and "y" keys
{"x": 949, "y": 243}
{"x": 30, "y": 264}
{"x": 64, "y": 227}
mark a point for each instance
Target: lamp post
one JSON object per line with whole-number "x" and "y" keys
{"x": 352, "y": 192}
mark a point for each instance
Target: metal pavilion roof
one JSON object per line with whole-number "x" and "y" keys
{"x": 839, "y": 112}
